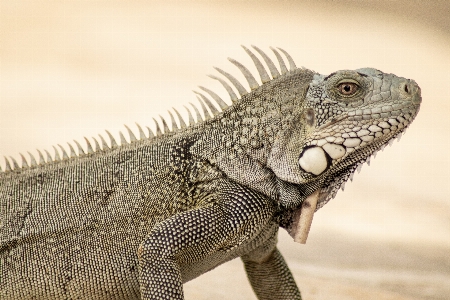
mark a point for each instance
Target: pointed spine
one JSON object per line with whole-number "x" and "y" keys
{"x": 172, "y": 119}
{"x": 248, "y": 76}
{"x": 216, "y": 97}
{"x": 7, "y": 165}
{"x": 213, "y": 109}
{"x": 97, "y": 145}
{"x": 89, "y": 146}
{"x": 240, "y": 88}
{"x": 41, "y": 158}
{"x": 141, "y": 132}
{"x": 197, "y": 113}
{"x": 165, "y": 126}
{"x": 24, "y": 162}
{"x": 104, "y": 144}
{"x": 72, "y": 151}
{"x": 80, "y": 149}
{"x": 261, "y": 70}
{"x": 123, "y": 141}
{"x": 15, "y": 164}
{"x": 150, "y": 132}
{"x": 33, "y": 162}
{"x": 180, "y": 118}
{"x": 49, "y": 157}
{"x": 227, "y": 87}
{"x": 205, "y": 111}
{"x": 112, "y": 140}
{"x": 359, "y": 168}
{"x": 158, "y": 129}
{"x": 64, "y": 153}
{"x": 283, "y": 68}
{"x": 292, "y": 65}
{"x": 57, "y": 157}
{"x": 131, "y": 134}
{"x": 273, "y": 70}
{"x": 191, "y": 118}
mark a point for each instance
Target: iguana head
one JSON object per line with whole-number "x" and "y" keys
{"x": 348, "y": 116}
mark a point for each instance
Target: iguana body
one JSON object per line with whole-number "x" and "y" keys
{"x": 137, "y": 220}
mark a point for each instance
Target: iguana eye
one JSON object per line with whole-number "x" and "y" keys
{"x": 348, "y": 88}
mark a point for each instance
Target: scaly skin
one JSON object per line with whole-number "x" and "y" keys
{"x": 138, "y": 220}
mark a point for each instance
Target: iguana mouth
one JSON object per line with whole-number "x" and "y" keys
{"x": 332, "y": 122}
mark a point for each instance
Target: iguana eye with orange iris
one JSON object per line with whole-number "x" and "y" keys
{"x": 348, "y": 88}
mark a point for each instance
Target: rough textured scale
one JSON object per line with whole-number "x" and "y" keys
{"x": 138, "y": 220}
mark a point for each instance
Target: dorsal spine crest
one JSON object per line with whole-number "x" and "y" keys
{"x": 183, "y": 126}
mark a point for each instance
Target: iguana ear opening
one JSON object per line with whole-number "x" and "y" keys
{"x": 293, "y": 161}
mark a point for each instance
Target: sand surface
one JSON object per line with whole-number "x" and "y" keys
{"x": 70, "y": 69}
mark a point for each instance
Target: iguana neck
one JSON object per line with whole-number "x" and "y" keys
{"x": 241, "y": 140}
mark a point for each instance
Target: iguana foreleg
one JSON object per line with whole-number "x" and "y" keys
{"x": 240, "y": 221}
{"x": 269, "y": 275}
{"x": 172, "y": 242}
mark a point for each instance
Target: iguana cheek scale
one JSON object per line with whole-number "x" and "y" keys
{"x": 139, "y": 219}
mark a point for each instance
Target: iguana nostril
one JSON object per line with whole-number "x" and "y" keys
{"x": 416, "y": 92}
{"x": 406, "y": 88}
{"x": 417, "y": 88}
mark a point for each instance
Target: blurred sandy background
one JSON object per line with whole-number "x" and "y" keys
{"x": 70, "y": 69}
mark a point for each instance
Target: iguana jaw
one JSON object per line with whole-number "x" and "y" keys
{"x": 303, "y": 216}
{"x": 345, "y": 169}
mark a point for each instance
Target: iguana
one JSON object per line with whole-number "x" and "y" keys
{"x": 138, "y": 220}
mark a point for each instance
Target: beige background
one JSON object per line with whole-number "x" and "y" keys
{"x": 70, "y": 69}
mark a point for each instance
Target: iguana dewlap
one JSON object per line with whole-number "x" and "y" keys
{"x": 138, "y": 220}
